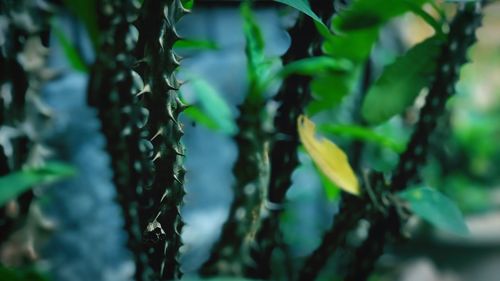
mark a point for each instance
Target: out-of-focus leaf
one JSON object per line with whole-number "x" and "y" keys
{"x": 304, "y": 7}
{"x": 10, "y": 274}
{"x": 332, "y": 191}
{"x": 401, "y": 82}
{"x": 328, "y": 157}
{"x": 194, "y": 113}
{"x": 74, "y": 58}
{"x": 221, "y": 278}
{"x": 435, "y": 208}
{"x": 14, "y": 184}
{"x": 195, "y": 44}
{"x": 418, "y": 10}
{"x": 363, "y": 14}
{"x": 86, "y": 10}
{"x": 328, "y": 90}
{"x": 353, "y": 45}
{"x": 188, "y": 4}
{"x": 315, "y": 66}
{"x": 212, "y": 110}
{"x": 361, "y": 133}
{"x": 258, "y": 67}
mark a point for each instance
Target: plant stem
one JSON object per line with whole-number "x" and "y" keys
{"x": 112, "y": 91}
{"x": 161, "y": 201}
{"x": 453, "y": 57}
{"x": 293, "y": 96}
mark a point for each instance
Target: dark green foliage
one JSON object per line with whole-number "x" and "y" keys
{"x": 354, "y": 132}
{"x": 452, "y": 56}
{"x": 386, "y": 221}
{"x": 134, "y": 88}
{"x": 436, "y": 208}
{"x": 413, "y": 70}
{"x": 7, "y": 274}
{"x": 363, "y": 14}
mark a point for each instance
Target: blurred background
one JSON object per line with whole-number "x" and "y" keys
{"x": 85, "y": 240}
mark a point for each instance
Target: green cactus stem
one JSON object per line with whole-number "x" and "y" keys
{"x": 22, "y": 73}
{"x": 293, "y": 96}
{"x": 453, "y": 56}
{"x": 231, "y": 253}
{"x": 162, "y": 199}
{"x": 113, "y": 91}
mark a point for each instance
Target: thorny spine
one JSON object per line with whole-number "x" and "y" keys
{"x": 113, "y": 91}
{"x": 292, "y": 96}
{"x": 161, "y": 200}
{"x": 453, "y": 57}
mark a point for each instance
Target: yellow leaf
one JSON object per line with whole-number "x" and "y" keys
{"x": 329, "y": 158}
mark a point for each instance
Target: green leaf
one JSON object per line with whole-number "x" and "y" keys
{"x": 353, "y": 45}
{"x": 212, "y": 110}
{"x": 328, "y": 91}
{"x": 361, "y": 133}
{"x": 332, "y": 190}
{"x": 219, "y": 278}
{"x": 315, "y": 66}
{"x": 401, "y": 82}
{"x": 86, "y": 10}
{"x": 434, "y": 207}
{"x": 74, "y": 58}
{"x": 187, "y": 4}
{"x": 10, "y": 274}
{"x": 363, "y": 14}
{"x": 195, "y": 44}
{"x": 304, "y": 7}
{"x": 14, "y": 184}
{"x": 259, "y": 68}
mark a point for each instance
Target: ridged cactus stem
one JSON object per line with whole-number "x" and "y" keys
{"x": 453, "y": 56}
{"x": 293, "y": 96}
{"x": 113, "y": 91}
{"x": 231, "y": 254}
{"x": 22, "y": 73}
{"x": 162, "y": 199}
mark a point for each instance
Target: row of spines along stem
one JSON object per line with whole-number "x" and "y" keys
{"x": 292, "y": 97}
{"x": 16, "y": 77}
{"x": 387, "y": 225}
{"x": 156, "y": 68}
{"x": 133, "y": 87}
{"x": 113, "y": 92}
{"x": 461, "y": 37}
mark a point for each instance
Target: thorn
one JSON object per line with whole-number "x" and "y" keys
{"x": 157, "y": 156}
{"x": 160, "y": 132}
{"x": 178, "y": 180}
